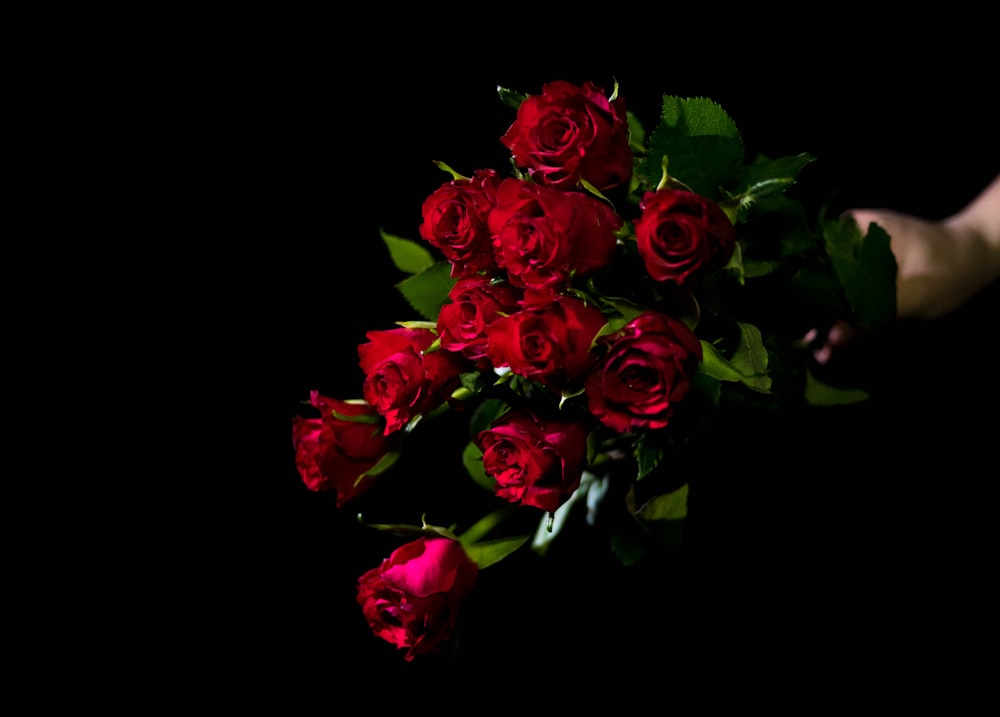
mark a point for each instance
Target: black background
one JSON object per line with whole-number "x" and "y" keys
{"x": 856, "y": 532}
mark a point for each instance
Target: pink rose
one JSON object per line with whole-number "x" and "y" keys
{"x": 682, "y": 236}
{"x": 455, "y": 221}
{"x": 412, "y": 600}
{"x": 332, "y": 452}
{"x": 645, "y": 369}
{"x": 403, "y": 382}
{"x": 549, "y": 344}
{"x": 474, "y": 303}
{"x": 533, "y": 460}
{"x": 569, "y": 133}
{"x": 544, "y": 237}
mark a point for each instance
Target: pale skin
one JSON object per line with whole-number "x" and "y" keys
{"x": 940, "y": 264}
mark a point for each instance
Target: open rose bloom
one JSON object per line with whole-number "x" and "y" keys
{"x": 585, "y": 316}
{"x": 413, "y": 598}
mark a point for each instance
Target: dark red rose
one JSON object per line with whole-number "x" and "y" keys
{"x": 413, "y": 599}
{"x": 645, "y": 369}
{"x": 402, "y": 382}
{"x": 549, "y": 344}
{"x": 474, "y": 303}
{"x": 455, "y": 221}
{"x": 682, "y": 236}
{"x": 543, "y": 237}
{"x": 534, "y": 461}
{"x": 333, "y": 452}
{"x": 572, "y": 132}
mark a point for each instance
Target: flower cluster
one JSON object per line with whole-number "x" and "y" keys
{"x": 590, "y": 313}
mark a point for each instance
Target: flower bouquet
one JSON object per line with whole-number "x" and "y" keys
{"x": 589, "y": 315}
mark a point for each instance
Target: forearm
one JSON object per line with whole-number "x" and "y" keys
{"x": 980, "y": 222}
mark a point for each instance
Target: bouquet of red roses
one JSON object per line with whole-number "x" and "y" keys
{"x": 590, "y": 314}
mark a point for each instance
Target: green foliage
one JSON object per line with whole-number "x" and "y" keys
{"x": 818, "y": 393}
{"x": 384, "y": 463}
{"x": 472, "y": 459}
{"x": 510, "y": 97}
{"x": 490, "y": 552}
{"x": 700, "y": 143}
{"x": 866, "y": 268}
{"x": 748, "y": 364}
{"x": 767, "y": 178}
{"x": 647, "y": 455}
{"x": 660, "y": 518}
{"x": 428, "y": 291}
{"x": 669, "y": 506}
{"x": 485, "y": 525}
{"x": 409, "y": 256}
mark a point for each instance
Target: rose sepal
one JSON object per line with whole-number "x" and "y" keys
{"x": 447, "y": 168}
{"x": 387, "y": 461}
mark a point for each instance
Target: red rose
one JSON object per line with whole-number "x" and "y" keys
{"x": 682, "y": 235}
{"x": 332, "y": 453}
{"x": 401, "y": 381}
{"x": 645, "y": 369}
{"x": 569, "y": 133}
{"x": 455, "y": 221}
{"x": 543, "y": 237}
{"x": 474, "y": 303}
{"x": 534, "y": 461}
{"x": 549, "y": 344}
{"x": 412, "y": 600}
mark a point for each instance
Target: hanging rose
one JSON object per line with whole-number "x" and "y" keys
{"x": 335, "y": 450}
{"x": 413, "y": 599}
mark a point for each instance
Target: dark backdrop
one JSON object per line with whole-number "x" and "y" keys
{"x": 847, "y": 528}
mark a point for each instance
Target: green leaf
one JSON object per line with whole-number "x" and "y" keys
{"x": 647, "y": 456}
{"x": 866, "y": 268}
{"x": 636, "y": 133}
{"x": 669, "y": 506}
{"x": 765, "y": 176}
{"x": 484, "y": 525}
{"x": 385, "y": 463}
{"x": 472, "y": 459}
{"x": 511, "y": 98}
{"x": 487, "y": 412}
{"x": 663, "y": 516}
{"x": 818, "y": 393}
{"x": 489, "y": 552}
{"x": 748, "y": 365}
{"x": 428, "y": 291}
{"x": 701, "y": 143}
{"x": 409, "y": 256}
